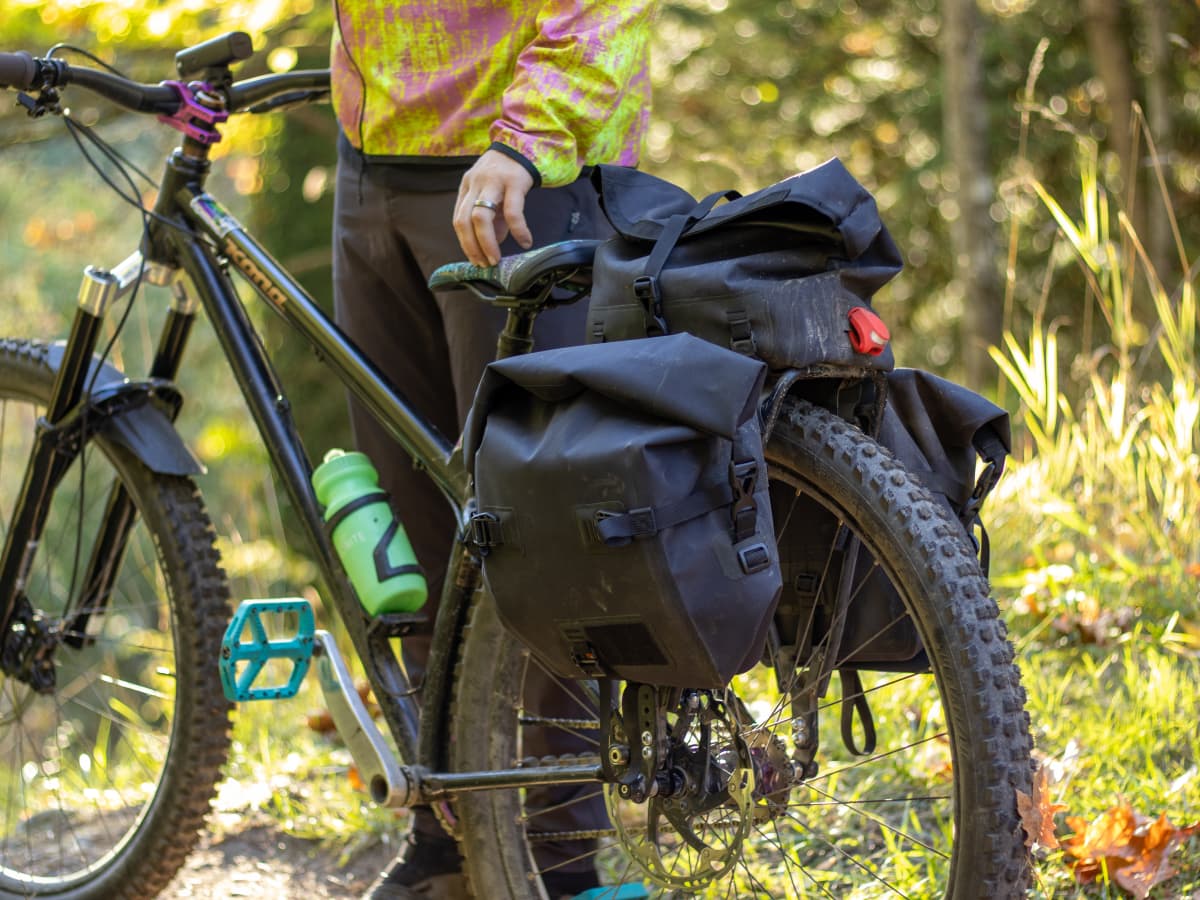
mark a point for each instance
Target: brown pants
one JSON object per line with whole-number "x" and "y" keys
{"x": 433, "y": 348}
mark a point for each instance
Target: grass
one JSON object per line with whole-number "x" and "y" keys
{"x": 1096, "y": 550}
{"x": 1112, "y": 725}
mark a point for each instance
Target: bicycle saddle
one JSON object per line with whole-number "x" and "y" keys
{"x": 519, "y": 274}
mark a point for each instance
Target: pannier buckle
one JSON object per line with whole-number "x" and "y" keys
{"x": 741, "y": 333}
{"x": 742, "y": 478}
{"x": 641, "y": 522}
{"x": 618, "y": 529}
{"x": 485, "y": 532}
{"x": 585, "y": 658}
{"x": 754, "y": 558}
{"x": 646, "y": 291}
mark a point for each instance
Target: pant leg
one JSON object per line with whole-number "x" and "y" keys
{"x": 387, "y": 242}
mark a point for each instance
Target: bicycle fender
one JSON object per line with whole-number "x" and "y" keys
{"x": 133, "y": 414}
{"x": 149, "y": 434}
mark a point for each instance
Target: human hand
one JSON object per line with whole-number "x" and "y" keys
{"x": 491, "y": 202}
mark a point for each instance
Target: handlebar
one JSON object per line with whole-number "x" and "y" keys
{"x": 17, "y": 69}
{"x": 23, "y": 71}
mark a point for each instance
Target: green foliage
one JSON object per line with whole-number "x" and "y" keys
{"x": 1149, "y": 761}
{"x": 1106, "y": 478}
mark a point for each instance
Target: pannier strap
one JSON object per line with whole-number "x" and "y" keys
{"x": 645, "y": 287}
{"x": 616, "y": 529}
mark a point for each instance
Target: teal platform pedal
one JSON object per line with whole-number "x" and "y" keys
{"x": 246, "y": 649}
{"x": 623, "y": 892}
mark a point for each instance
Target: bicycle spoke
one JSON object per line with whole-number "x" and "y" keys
{"x": 850, "y": 859}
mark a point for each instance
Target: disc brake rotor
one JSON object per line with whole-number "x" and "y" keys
{"x": 695, "y": 834}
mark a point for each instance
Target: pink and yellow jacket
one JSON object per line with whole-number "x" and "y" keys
{"x": 563, "y": 83}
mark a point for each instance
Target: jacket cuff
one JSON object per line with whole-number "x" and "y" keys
{"x": 521, "y": 158}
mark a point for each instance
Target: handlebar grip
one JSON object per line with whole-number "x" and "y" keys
{"x": 17, "y": 70}
{"x": 219, "y": 51}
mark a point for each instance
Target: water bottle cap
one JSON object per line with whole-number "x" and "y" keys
{"x": 341, "y": 467}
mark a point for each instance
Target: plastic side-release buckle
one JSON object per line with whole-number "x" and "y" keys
{"x": 742, "y": 478}
{"x": 868, "y": 334}
{"x": 485, "y": 532}
{"x": 647, "y": 292}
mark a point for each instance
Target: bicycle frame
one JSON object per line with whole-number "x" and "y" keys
{"x": 196, "y": 255}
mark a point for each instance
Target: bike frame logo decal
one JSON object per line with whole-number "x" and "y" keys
{"x": 257, "y": 276}
{"x": 214, "y": 214}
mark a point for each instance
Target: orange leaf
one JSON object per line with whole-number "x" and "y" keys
{"x": 1155, "y": 842}
{"x": 1037, "y": 813}
{"x": 1102, "y": 844}
{"x": 1132, "y": 848}
{"x": 320, "y": 721}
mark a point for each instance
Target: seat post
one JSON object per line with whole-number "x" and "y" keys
{"x": 517, "y": 336}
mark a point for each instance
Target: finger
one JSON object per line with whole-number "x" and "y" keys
{"x": 464, "y": 230}
{"x": 489, "y": 229}
{"x": 514, "y": 217}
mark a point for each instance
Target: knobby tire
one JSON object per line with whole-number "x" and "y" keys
{"x": 956, "y": 740}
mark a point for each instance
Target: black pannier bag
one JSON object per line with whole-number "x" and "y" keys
{"x": 939, "y": 431}
{"x": 623, "y": 513}
{"x": 785, "y": 274}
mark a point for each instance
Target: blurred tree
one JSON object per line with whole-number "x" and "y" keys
{"x": 965, "y": 126}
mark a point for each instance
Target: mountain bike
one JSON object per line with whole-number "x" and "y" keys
{"x": 114, "y": 610}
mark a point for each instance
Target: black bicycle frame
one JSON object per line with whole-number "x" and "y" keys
{"x": 271, "y": 412}
{"x": 203, "y": 240}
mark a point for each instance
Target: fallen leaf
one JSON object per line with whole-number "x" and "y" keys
{"x": 1133, "y": 849}
{"x": 320, "y": 721}
{"x": 1037, "y": 813}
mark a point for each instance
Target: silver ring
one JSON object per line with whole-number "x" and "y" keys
{"x": 487, "y": 204}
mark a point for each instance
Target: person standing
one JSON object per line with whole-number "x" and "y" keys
{"x": 467, "y": 129}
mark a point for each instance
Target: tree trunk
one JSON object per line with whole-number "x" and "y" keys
{"x": 1108, "y": 33}
{"x": 976, "y": 259}
{"x": 1156, "y": 24}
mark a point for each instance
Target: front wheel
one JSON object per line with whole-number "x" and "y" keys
{"x": 106, "y": 780}
{"x": 930, "y": 811}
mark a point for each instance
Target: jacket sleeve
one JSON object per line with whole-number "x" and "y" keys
{"x": 570, "y": 100}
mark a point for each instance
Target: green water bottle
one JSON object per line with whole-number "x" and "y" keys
{"x": 367, "y": 535}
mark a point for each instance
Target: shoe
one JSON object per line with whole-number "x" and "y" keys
{"x": 428, "y": 869}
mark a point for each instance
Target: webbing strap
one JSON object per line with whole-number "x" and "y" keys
{"x": 855, "y": 701}
{"x": 618, "y": 529}
{"x": 645, "y": 286}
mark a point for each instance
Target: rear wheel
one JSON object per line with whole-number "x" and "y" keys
{"x": 106, "y": 780}
{"x": 929, "y": 812}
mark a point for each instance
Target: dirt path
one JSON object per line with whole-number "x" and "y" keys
{"x": 256, "y": 859}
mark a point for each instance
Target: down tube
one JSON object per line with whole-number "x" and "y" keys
{"x": 271, "y": 414}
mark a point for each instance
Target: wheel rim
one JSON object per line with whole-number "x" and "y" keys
{"x": 80, "y": 767}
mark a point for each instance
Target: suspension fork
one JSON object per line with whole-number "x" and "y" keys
{"x": 25, "y": 638}
{"x": 120, "y": 513}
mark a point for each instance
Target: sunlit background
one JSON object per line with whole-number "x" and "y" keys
{"x": 1088, "y": 168}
